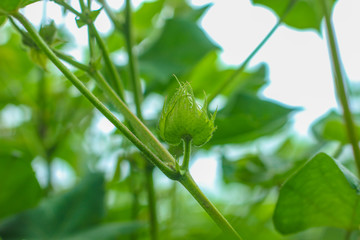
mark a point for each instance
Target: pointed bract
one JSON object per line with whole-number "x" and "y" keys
{"x": 182, "y": 118}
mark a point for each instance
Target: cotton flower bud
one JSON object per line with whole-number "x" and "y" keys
{"x": 182, "y": 118}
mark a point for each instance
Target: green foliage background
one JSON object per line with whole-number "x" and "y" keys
{"x": 290, "y": 191}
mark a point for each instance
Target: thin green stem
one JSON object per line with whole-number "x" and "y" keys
{"x": 151, "y": 202}
{"x": 136, "y": 85}
{"x": 143, "y": 133}
{"x": 94, "y": 100}
{"x": 347, "y": 234}
{"x": 188, "y": 182}
{"x": 72, "y": 61}
{"x": 340, "y": 85}
{"x": 187, "y": 153}
{"x": 133, "y": 68}
{"x": 118, "y": 85}
{"x": 82, "y": 6}
{"x": 242, "y": 67}
{"x": 117, "y": 23}
{"x": 140, "y": 129}
{"x": 71, "y": 9}
{"x": 134, "y": 188}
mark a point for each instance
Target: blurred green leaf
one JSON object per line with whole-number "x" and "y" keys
{"x": 48, "y": 32}
{"x": 61, "y": 216}
{"x": 8, "y": 6}
{"x": 107, "y": 231}
{"x": 92, "y": 16}
{"x": 247, "y": 117}
{"x": 17, "y": 179}
{"x": 321, "y": 193}
{"x": 331, "y": 127}
{"x": 195, "y": 14}
{"x": 304, "y": 14}
{"x": 207, "y": 76}
{"x": 180, "y": 46}
{"x": 2, "y": 20}
{"x": 248, "y": 169}
{"x": 144, "y": 18}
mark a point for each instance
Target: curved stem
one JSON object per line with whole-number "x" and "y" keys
{"x": 70, "y": 8}
{"x": 117, "y": 23}
{"x": 133, "y": 68}
{"x": 119, "y": 87}
{"x": 72, "y": 61}
{"x": 154, "y": 229}
{"x": 187, "y": 153}
{"x": 242, "y": 67}
{"x": 94, "y": 100}
{"x": 188, "y": 182}
{"x": 340, "y": 86}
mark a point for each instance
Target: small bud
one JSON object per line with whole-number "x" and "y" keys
{"x": 182, "y": 118}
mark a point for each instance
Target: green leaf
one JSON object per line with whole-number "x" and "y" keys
{"x": 93, "y": 15}
{"x": 331, "y": 127}
{"x": 247, "y": 117}
{"x": 250, "y": 170}
{"x": 8, "y": 6}
{"x": 17, "y": 179}
{"x": 208, "y": 75}
{"x": 61, "y": 216}
{"x": 2, "y": 20}
{"x": 48, "y": 32}
{"x": 180, "y": 46}
{"x": 143, "y": 18}
{"x": 304, "y": 14}
{"x": 108, "y": 231}
{"x": 321, "y": 193}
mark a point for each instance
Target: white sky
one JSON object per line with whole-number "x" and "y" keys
{"x": 300, "y": 73}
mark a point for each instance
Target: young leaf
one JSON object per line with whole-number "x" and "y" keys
{"x": 321, "y": 193}
{"x": 305, "y": 14}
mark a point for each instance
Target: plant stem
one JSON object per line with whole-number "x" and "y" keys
{"x": 94, "y": 100}
{"x": 340, "y": 86}
{"x": 119, "y": 87}
{"x": 133, "y": 68}
{"x": 140, "y": 129}
{"x": 242, "y": 67}
{"x": 143, "y": 133}
{"x": 134, "y": 188}
{"x": 116, "y": 81}
{"x": 70, "y": 8}
{"x": 347, "y": 234}
{"x": 188, "y": 182}
{"x": 72, "y": 61}
{"x": 136, "y": 85}
{"x": 149, "y": 170}
{"x": 117, "y": 23}
{"x": 187, "y": 153}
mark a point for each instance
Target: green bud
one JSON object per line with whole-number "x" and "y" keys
{"x": 182, "y": 118}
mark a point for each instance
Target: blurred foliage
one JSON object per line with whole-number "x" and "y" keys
{"x": 303, "y": 15}
{"x": 44, "y": 119}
